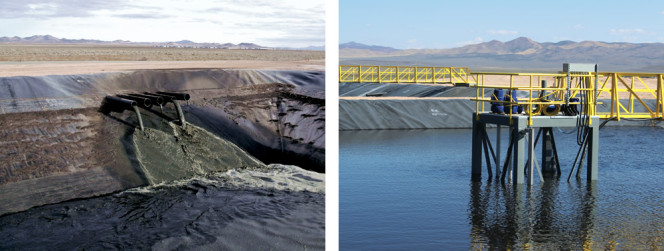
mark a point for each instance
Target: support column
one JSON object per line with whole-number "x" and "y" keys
{"x": 519, "y": 151}
{"x": 548, "y": 162}
{"x": 477, "y": 149}
{"x": 531, "y": 155}
{"x": 498, "y": 162}
{"x": 593, "y": 150}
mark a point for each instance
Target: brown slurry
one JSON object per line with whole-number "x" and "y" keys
{"x": 38, "y": 144}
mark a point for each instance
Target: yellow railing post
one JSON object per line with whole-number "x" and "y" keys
{"x": 631, "y": 97}
{"x": 380, "y": 79}
{"x": 593, "y": 100}
{"x": 398, "y": 77}
{"x": 359, "y": 74}
{"x": 529, "y": 105}
{"x": 482, "y": 91}
{"x": 477, "y": 103}
{"x": 660, "y": 102}
{"x": 614, "y": 97}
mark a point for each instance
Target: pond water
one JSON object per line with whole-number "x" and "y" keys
{"x": 412, "y": 189}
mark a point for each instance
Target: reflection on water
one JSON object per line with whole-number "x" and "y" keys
{"x": 411, "y": 189}
{"x": 532, "y": 217}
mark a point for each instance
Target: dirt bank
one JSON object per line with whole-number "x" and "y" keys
{"x": 10, "y": 69}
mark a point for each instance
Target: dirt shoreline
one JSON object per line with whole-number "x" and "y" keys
{"x": 44, "y": 68}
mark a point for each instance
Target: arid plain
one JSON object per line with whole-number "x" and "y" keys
{"x": 59, "y": 59}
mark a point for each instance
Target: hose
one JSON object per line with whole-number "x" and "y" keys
{"x": 582, "y": 121}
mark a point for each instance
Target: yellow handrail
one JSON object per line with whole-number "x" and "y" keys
{"x": 612, "y": 86}
{"x": 403, "y": 74}
{"x": 623, "y": 89}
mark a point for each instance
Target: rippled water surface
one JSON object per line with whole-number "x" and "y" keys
{"x": 411, "y": 190}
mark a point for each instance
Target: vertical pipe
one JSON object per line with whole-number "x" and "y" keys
{"x": 179, "y": 111}
{"x": 138, "y": 115}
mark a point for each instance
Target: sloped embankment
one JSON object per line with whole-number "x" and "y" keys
{"x": 57, "y": 147}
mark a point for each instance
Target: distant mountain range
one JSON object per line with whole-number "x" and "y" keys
{"x": 517, "y": 54}
{"x": 48, "y": 39}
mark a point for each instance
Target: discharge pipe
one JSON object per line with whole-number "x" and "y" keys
{"x": 116, "y": 104}
{"x": 176, "y": 95}
{"x": 173, "y": 97}
{"x": 159, "y": 100}
{"x": 143, "y": 102}
{"x": 166, "y": 98}
{"x": 156, "y": 99}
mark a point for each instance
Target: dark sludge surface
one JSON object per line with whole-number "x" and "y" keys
{"x": 198, "y": 214}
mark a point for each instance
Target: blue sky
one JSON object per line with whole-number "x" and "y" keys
{"x": 287, "y": 23}
{"x": 447, "y": 24}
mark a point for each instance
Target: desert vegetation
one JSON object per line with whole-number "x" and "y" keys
{"x": 17, "y": 52}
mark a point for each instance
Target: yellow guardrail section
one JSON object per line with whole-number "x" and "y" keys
{"x": 403, "y": 74}
{"x": 622, "y": 90}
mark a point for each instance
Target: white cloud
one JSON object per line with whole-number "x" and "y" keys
{"x": 287, "y": 23}
{"x": 627, "y": 31}
{"x": 477, "y": 40}
{"x": 503, "y": 32}
{"x": 412, "y": 41}
{"x": 578, "y": 27}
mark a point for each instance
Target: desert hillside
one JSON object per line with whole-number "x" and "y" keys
{"x": 520, "y": 53}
